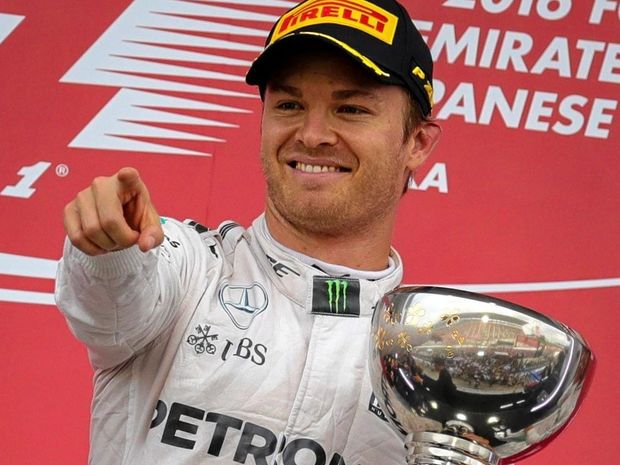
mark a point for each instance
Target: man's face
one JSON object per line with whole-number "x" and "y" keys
{"x": 332, "y": 145}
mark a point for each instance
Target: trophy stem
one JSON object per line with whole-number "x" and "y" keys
{"x": 443, "y": 449}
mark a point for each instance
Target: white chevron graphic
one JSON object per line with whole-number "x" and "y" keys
{"x": 30, "y": 267}
{"x": 8, "y": 23}
{"x": 131, "y": 55}
{"x": 128, "y": 115}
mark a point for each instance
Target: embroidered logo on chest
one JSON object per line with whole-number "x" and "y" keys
{"x": 243, "y": 303}
{"x": 205, "y": 340}
{"x": 201, "y": 341}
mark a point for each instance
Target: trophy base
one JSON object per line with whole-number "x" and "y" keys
{"x": 443, "y": 449}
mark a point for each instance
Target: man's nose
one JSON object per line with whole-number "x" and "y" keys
{"x": 316, "y": 130}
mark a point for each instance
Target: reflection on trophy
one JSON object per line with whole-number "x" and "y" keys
{"x": 469, "y": 379}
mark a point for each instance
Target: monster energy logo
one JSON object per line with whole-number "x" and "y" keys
{"x": 335, "y": 296}
{"x": 337, "y": 289}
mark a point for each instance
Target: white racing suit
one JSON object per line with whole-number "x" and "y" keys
{"x": 219, "y": 347}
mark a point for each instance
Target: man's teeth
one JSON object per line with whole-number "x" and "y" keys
{"x": 306, "y": 168}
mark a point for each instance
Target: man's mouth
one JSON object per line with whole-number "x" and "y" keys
{"x": 311, "y": 168}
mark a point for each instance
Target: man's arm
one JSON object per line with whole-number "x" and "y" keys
{"x": 116, "y": 291}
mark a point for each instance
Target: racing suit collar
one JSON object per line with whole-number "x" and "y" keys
{"x": 298, "y": 280}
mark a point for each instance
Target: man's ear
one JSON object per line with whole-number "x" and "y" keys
{"x": 424, "y": 140}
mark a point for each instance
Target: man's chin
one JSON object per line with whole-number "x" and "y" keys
{"x": 327, "y": 219}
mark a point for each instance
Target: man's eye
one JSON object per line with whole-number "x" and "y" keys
{"x": 352, "y": 110}
{"x": 288, "y": 106}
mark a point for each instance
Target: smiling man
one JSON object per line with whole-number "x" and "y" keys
{"x": 336, "y": 158}
{"x": 250, "y": 345}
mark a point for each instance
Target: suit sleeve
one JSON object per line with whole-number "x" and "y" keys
{"x": 120, "y": 302}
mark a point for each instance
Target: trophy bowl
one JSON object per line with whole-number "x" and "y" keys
{"x": 469, "y": 379}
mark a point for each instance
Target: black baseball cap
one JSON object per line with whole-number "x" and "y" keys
{"x": 379, "y": 34}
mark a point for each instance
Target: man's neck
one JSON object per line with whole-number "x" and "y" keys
{"x": 367, "y": 249}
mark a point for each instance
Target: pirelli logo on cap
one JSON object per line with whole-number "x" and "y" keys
{"x": 357, "y": 14}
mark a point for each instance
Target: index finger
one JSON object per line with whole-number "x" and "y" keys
{"x": 109, "y": 207}
{"x": 130, "y": 184}
{"x": 140, "y": 212}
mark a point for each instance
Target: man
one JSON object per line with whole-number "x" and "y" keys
{"x": 250, "y": 346}
{"x": 443, "y": 386}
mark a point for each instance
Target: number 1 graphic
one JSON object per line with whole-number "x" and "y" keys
{"x": 23, "y": 189}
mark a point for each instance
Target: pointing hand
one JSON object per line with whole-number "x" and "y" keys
{"x": 114, "y": 213}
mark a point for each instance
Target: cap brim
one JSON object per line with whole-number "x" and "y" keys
{"x": 270, "y": 58}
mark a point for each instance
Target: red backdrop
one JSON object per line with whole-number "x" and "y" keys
{"x": 521, "y": 199}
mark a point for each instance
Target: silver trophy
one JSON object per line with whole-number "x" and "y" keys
{"x": 469, "y": 379}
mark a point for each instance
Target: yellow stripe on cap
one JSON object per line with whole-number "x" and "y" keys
{"x": 365, "y": 60}
{"x": 358, "y": 14}
{"x": 431, "y": 95}
{"x": 428, "y": 87}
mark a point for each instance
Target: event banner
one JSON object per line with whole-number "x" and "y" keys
{"x": 520, "y": 200}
